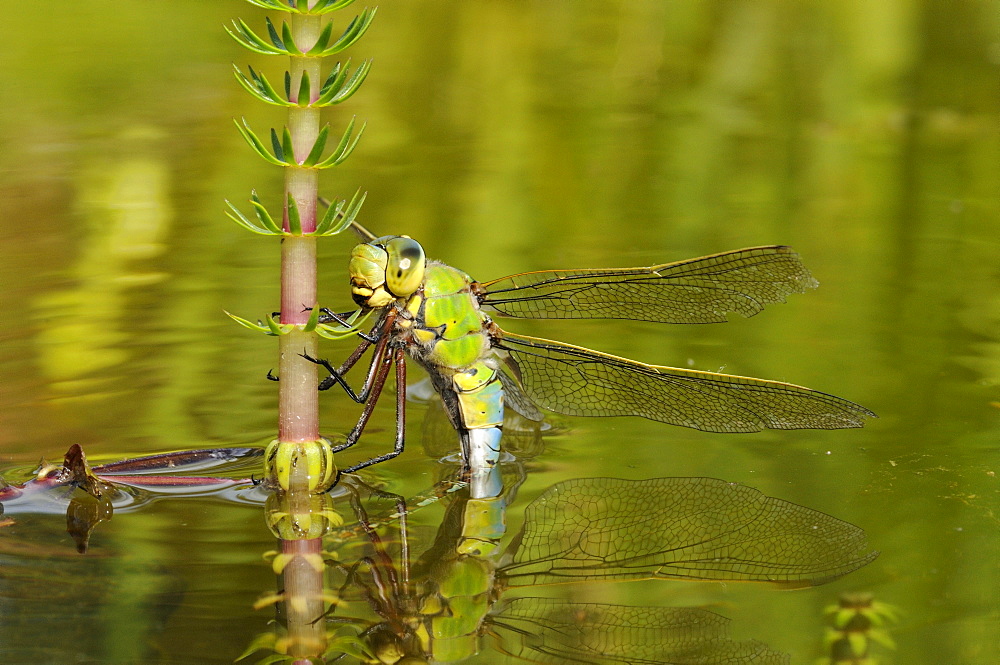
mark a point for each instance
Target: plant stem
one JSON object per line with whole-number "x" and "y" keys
{"x": 298, "y": 400}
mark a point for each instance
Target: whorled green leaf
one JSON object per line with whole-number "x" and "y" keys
{"x": 338, "y": 87}
{"x": 354, "y": 31}
{"x": 263, "y": 641}
{"x": 272, "y": 328}
{"x": 332, "y": 222}
{"x": 301, "y": 7}
{"x": 884, "y": 611}
{"x": 276, "y": 5}
{"x": 277, "y": 41}
{"x": 275, "y": 658}
{"x": 323, "y": 40}
{"x": 283, "y": 151}
{"x": 234, "y": 214}
{"x": 344, "y": 148}
{"x": 335, "y": 79}
{"x": 294, "y": 219}
{"x": 323, "y": 331}
{"x": 313, "y": 319}
{"x": 254, "y": 142}
{"x": 858, "y": 644}
{"x": 338, "y": 217}
{"x": 318, "y": 147}
{"x": 335, "y": 332}
{"x": 273, "y": 4}
{"x": 266, "y": 220}
{"x": 284, "y": 43}
{"x": 288, "y": 40}
{"x": 350, "y": 645}
{"x": 259, "y": 327}
{"x": 266, "y": 227}
{"x": 305, "y": 90}
{"x": 278, "y": 328}
{"x": 247, "y": 38}
{"x": 287, "y": 148}
{"x": 258, "y": 86}
{"x": 881, "y": 637}
{"x": 277, "y": 148}
{"x": 324, "y": 6}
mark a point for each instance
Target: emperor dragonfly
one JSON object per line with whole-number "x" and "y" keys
{"x": 441, "y": 318}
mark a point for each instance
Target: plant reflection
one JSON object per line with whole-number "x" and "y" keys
{"x": 857, "y": 622}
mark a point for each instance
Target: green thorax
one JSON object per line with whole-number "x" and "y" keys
{"x": 447, "y": 322}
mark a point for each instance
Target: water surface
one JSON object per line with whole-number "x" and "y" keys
{"x": 508, "y": 137}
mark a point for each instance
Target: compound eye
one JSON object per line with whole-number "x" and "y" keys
{"x": 405, "y": 270}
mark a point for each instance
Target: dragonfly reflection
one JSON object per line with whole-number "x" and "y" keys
{"x": 587, "y": 530}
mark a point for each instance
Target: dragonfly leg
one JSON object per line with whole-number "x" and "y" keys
{"x": 335, "y": 378}
{"x": 382, "y": 368}
{"x": 336, "y": 375}
{"x": 399, "y": 358}
{"x": 381, "y": 553}
{"x": 381, "y": 602}
{"x": 381, "y": 566}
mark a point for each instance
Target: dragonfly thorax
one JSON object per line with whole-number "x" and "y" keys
{"x": 386, "y": 269}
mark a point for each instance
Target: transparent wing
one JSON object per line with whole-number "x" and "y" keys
{"x": 545, "y": 630}
{"x": 702, "y": 290}
{"x": 580, "y": 382}
{"x": 515, "y": 398}
{"x": 678, "y": 528}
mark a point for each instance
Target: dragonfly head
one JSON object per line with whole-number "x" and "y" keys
{"x": 386, "y": 269}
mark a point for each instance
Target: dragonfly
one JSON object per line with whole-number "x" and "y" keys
{"x": 443, "y": 319}
{"x": 465, "y": 587}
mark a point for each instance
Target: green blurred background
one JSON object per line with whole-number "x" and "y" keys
{"x": 509, "y": 136}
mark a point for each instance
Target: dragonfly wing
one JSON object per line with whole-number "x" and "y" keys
{"x": 547, "y": 630}
{"x": 515, "y": 398}
{"x": 702, "y": 290}
{"x": 579, "y": 382}
{"x": 678, "y": 528}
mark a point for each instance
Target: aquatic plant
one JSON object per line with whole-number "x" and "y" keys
{"x": 857, "y": 621}
{"x": 299, "y": 462}
{"x": 299, "y": 457}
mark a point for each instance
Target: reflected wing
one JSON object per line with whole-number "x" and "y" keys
{"x": 702, "y": 290}
{"x": 678, "y": 528}
{"x": 545, "y": 630}
{"x": 580, "y": 382}
{"x": 207, "y": 460}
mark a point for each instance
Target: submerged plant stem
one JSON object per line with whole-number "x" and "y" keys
{"x": 304, "y": 600}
